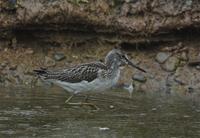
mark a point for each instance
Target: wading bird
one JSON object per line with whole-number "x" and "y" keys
{"x": 94, "y": 76}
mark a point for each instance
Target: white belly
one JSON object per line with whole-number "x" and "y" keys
{"x": 96, "y": 85}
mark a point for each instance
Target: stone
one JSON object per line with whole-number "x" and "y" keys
{"x": 139, "y": 78}
{"x": 4, "y": 64}
{"x": 184, "y": 56}
{"x": 161, "y": 57}
{"x": 29, "y": 51}
{"x": 171, "y": 64}
{"x": 48, "y": 62}
{"x": 13, "y": 67}
{"x": 194, "y": 62}
{"x": 198, "y": 67}
{"x": 59, "y": 56}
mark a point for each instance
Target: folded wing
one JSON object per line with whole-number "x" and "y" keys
{"x": 87, "y": 72}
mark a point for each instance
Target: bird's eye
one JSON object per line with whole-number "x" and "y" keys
{"x": 123, "y": 56}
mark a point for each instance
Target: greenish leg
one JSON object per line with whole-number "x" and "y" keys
{"x": 67, "y": 101}
{"x": 81, "y": 103}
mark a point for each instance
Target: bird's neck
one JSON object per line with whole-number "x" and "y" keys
{"x": 113, "y": 67}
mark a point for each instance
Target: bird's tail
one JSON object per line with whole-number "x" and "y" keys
{"x": 42, "y": 72}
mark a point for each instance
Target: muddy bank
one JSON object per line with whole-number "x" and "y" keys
{"x": 125, "y": 17}
{"x": 166, "y": 63}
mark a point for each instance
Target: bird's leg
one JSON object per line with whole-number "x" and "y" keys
{"x": 67, "y": 101}
{"x": 81, "y": 103}
{"x": 86, "y": 98}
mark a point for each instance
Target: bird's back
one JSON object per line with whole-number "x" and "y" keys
{"x": 83, "y": 72}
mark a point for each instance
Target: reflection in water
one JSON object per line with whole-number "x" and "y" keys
{"x": 40, "y": 112}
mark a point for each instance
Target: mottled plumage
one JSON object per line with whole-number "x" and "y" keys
{"x": 75, "y": 74}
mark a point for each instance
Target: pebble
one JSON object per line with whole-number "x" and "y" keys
{"x": 171, "y": 64}
{"x": 48, "y": 62}
{"x": 194, "y": 62}
{"x": 198, "y": 67}
{"x": 13, "y": 67}
{"x": 29, "y": 51}
{"x": 184, "y": 56}
{"x": 4, "y": 64}
{"x": 161, "y": 57}
{"x": 139, "y": 78}
{"x": 59, "y": 56}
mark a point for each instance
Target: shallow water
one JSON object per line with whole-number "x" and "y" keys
{"x": 41, "y": 112}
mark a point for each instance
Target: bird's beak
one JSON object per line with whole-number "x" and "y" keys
{"x": 133, "y": 65}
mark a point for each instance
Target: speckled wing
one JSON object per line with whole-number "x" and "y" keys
{"x": 87, "y": 72}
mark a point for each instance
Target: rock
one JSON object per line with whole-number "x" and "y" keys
{"x": 198, "y": 67}
{"x": 171, "y": 64}
{"x": 139, "y": 78}
{"x": 13, "y": 67}
{"x": 161, "y": 57}
{"x": 48, "y": 62}
{"x": 59, "y": 56}
{"x": 194, "y": 62}
{"x": 184, "y": 56}
{"x": 29, "y": 51}
{"x": 4, "y": 64}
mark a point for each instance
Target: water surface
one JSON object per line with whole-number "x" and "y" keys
{"x": 41, "y": 112}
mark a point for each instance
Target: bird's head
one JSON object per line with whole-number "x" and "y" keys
{"x": 120, "y": 58}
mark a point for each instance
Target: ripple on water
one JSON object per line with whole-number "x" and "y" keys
{"x": 23, "y": 125}
{"x": 2, "y": 118}
{"x": 8, "y": 132}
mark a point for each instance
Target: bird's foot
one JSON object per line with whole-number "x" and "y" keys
{"x": 84, "y": 103}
